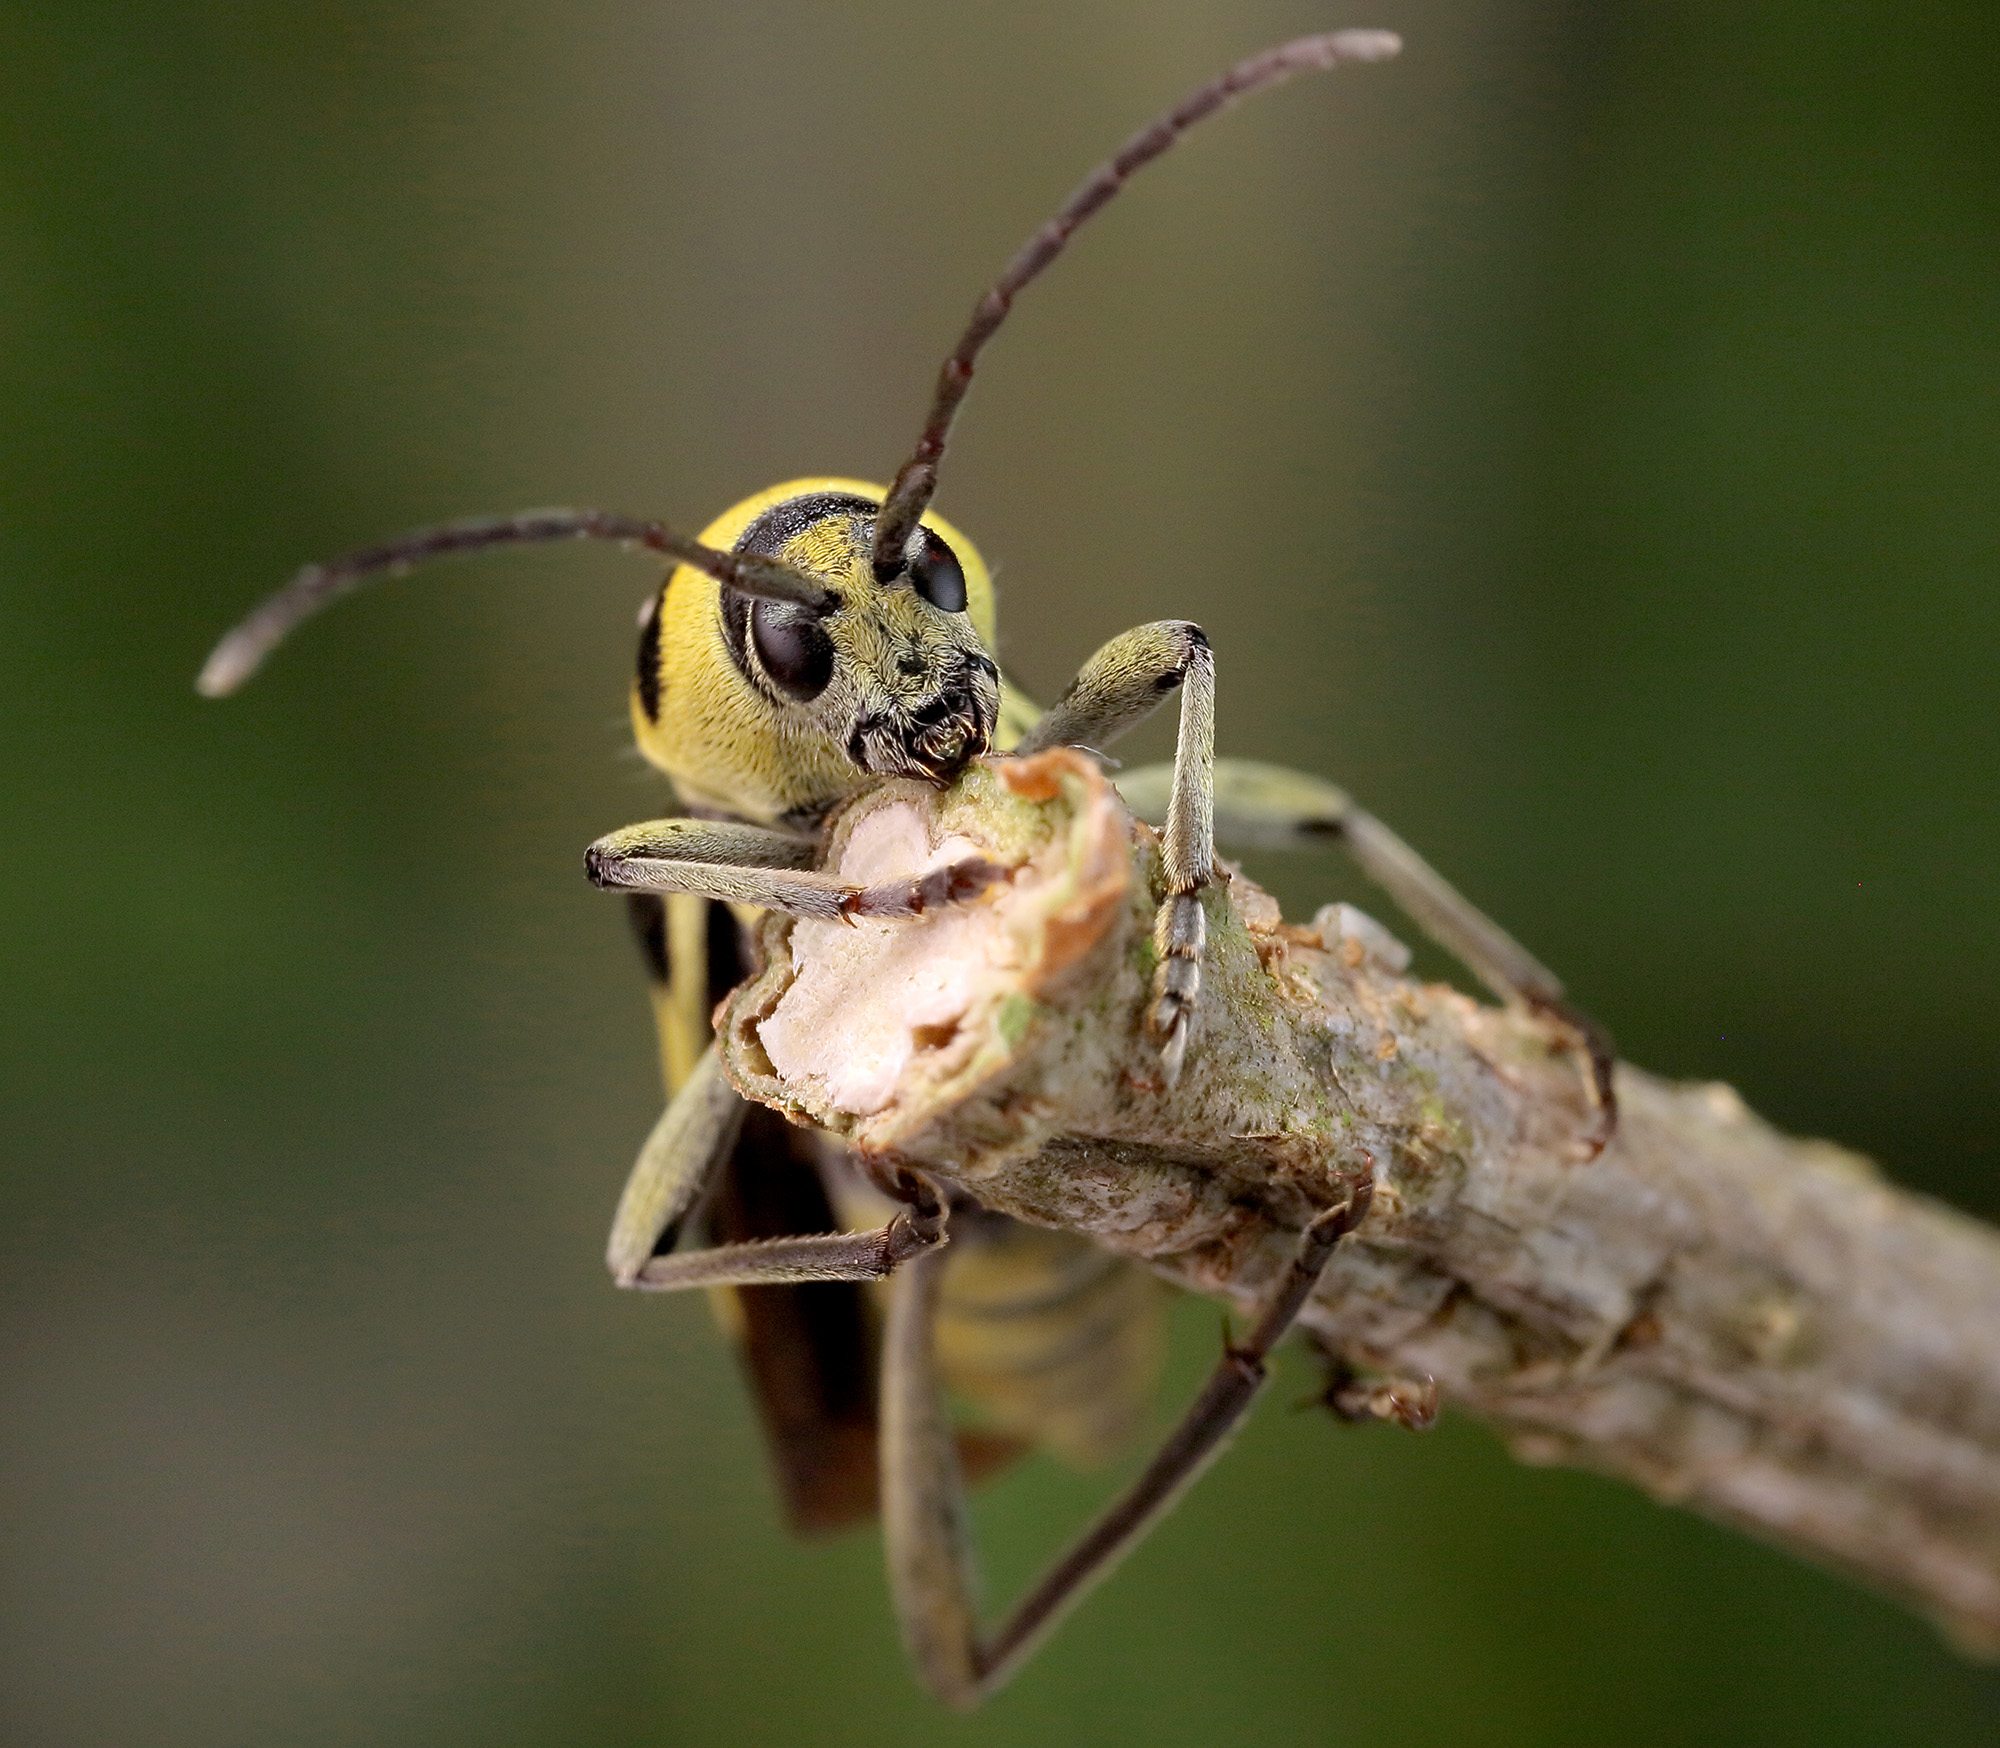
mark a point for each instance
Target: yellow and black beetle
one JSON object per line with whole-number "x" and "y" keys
{"x": 818, "y": 638}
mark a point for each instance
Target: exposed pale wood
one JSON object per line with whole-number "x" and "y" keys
{"x": 1755, "y": 1326}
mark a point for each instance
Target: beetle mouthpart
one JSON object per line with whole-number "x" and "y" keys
{"x": 934, "y": 743}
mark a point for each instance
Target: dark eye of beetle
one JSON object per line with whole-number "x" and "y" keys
{"x": 794, "y": 648}
{"x": 937, "y": 574}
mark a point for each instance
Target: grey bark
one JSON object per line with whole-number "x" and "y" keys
{"x": 1757, "y": 1327}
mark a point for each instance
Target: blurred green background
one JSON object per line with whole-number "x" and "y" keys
{"x": 1579, "y": 438}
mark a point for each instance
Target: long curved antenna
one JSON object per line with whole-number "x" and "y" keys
{"x": 917, "y": 480}
{"x": 242, "y": 652}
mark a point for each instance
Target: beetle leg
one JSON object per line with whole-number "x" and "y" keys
{"x": 917, "y": 1229}
{"x": 679, "y": 1160}
{"x": 742, "y": 864}
{"x": 1261, "y": 806}
{"x": 924, "y": 1532}
{"x": 1120, "y": 687}
{"x": 774, "y": 1262}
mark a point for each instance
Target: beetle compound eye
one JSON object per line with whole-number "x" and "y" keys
{"x": 794, "y": 648}
{"x": 936, "y": 573}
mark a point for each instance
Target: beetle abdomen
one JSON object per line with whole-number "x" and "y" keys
{"x": 1048, "y": 1337}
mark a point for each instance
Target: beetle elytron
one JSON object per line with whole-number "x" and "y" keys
{"x": 818, "y": 638}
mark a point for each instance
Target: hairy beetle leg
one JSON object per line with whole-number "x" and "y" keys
{"x": 1259, "y": 806}
{"x": 1119, "y": 687}
{"x": 923, "y": 1503}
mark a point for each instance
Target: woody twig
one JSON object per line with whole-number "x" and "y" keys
{"x": 1757, "y": 1327}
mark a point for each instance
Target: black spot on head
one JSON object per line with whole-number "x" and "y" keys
{"x": 1166, "y": 682}
{"x": 649, "y": 656}
{"x": 766, "y": 536}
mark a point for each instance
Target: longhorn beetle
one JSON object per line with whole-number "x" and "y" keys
{"x": 816, "y": 639}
